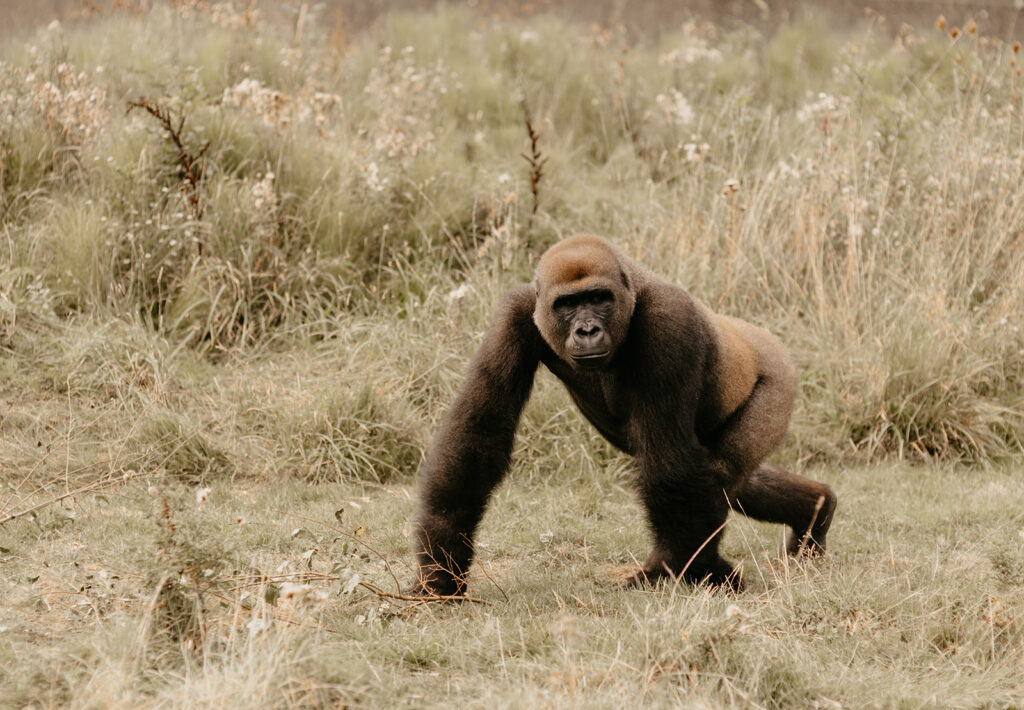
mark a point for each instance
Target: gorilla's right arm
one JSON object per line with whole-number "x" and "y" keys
{"x": 471, "y": 451}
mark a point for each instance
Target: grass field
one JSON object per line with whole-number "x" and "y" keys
{"x": 246, "y": 262}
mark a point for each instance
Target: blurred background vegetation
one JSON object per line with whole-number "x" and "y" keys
{"x": 646, "y": 17}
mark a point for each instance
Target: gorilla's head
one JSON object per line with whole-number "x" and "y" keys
{"x": 584, "y": 301}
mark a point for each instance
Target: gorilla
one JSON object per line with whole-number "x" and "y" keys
{"x": 698, "y": 399}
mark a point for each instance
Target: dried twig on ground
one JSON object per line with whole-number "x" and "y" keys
{"x": 418, "y": 599}
{"x": 88, "y": 488}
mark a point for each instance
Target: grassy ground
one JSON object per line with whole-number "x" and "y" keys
{"x": 245, "y": 263}
{"x": 918, "y": 606}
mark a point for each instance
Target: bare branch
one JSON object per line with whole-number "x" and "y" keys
{"x": 191, "y": 170}
{"x": 418, "y": 599}
{"x": 535, "y": 158}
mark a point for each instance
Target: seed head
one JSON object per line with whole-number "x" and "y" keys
{"x": 291, "y": 590}
{"x": 940, "y": 24}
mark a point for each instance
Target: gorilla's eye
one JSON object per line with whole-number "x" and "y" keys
{"x": 572, "y": 301}
{"x": 598, "y": 298}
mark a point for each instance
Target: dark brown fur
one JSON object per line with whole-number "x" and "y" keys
{"x": 698, "y": 399}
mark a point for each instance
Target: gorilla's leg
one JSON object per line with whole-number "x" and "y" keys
{"x": 778, "y": 496}
{"x": 763, "y": 491}
{"x": 688, "y": 524}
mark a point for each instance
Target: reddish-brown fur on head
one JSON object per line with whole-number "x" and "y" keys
{"x": 575, "y": 265}
{"x": 572, "y": 261}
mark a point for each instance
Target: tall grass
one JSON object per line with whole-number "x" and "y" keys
{"x": 859, "y": 193}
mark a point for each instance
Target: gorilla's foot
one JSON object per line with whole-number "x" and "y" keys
{"x": 433, "y": 582}
{"x": 721, "y": 576}
{"x": 810, "y": 541}
{"x": 644, "y": 577}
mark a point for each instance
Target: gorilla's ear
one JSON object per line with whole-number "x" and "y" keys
{"x": 626, "y": 299}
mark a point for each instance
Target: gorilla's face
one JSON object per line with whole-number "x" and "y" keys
{"x": 584, "y": 302}
{"x": 584, "y": 323}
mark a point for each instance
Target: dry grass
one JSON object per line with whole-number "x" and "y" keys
{"x": 218, "y": 379}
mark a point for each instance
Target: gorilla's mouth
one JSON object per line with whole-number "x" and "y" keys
{"x": 589, "y": 358}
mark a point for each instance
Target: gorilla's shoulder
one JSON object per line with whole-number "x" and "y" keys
{"x": 516, "y": 309}
{"x": 522, "y": 298}
{"x": 664, "y": 304}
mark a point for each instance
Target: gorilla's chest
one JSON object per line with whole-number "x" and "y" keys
{"x": 602, "y": 400}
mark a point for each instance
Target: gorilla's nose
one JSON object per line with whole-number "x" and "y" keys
{"x": 589, "y": 336}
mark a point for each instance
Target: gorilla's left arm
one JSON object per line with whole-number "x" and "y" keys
{"x": 471, "y": 452}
